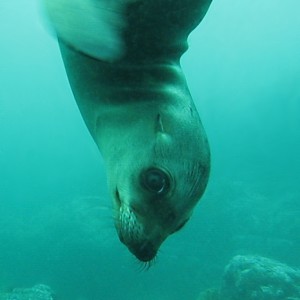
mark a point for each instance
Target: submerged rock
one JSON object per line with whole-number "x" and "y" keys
{"x": 38, "y": 292}
{"x": 210, "y": 294}
{"x": 259, "y": 278}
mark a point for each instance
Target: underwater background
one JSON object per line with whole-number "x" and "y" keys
{"x": 56, "y": 228}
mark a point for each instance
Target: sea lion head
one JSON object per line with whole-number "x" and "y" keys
{"x": 158, "y": 168}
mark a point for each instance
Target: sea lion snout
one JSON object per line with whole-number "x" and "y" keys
{"x": 134, "y": 232}
{"x": 144, "y": 251}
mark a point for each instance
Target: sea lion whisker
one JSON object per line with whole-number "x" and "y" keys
{"x": 144, "y": 265}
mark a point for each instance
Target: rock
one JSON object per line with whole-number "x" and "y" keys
{"x": 38, "y": 292}
{"x": 210, "y": 294}
{"x": 259, "y": 278}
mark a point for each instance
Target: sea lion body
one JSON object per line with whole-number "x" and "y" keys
{"x": 139, "y": 111}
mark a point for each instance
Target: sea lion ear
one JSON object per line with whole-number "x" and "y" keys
{"x": 92, "y": 27}
{"x": 159, "y": 124}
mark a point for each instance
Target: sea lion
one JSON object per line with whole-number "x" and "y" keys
{"x": 122, "y": 58}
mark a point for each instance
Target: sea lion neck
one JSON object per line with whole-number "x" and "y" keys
{"x": 115, "y": 82}
{"x": 97, "y": 85}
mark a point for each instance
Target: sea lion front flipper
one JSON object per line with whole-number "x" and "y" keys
{"x": 106, "y": 30}
{"x": 90, "y": 26}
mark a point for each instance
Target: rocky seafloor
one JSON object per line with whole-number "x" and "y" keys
{"x": 256, "y": 278}
{"x": 244, "y": 278}
{"x": 37, "y": 292}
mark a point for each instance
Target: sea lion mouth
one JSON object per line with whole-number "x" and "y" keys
{"x": 118, "y": 199}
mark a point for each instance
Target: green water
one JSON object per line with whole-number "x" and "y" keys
{"x": 243, "y": 70}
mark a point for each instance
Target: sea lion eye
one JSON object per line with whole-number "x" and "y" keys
{"x": 155, "y": 181}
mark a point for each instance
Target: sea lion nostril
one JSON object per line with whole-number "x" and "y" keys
{"x": 144, "y": 252}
